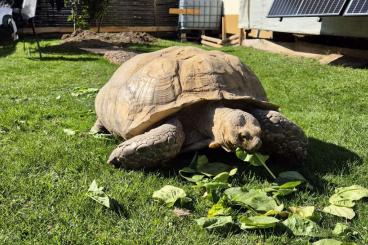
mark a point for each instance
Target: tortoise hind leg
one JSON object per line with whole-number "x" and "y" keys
{"x": 98, "y": 128}
{"x": 151, "y": 148}
{"x": 280, "y": 136}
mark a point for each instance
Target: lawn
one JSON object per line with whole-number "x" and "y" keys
{"x": 45, "y": 173}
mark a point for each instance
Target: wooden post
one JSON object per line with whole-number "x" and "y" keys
{"x": 223, "y": 31}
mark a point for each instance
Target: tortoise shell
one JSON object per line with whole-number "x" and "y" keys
{"x": 153, "y": 86}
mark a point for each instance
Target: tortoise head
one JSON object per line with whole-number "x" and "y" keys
{"x": 237, "y": 129}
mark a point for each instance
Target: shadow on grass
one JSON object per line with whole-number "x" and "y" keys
{"x": 7, "y": 48}
{"x": 323, "y": 158}
{"x": 62, "y": 49}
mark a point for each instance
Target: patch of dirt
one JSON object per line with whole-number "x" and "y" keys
{"x": 118, "y": 57}
{"x": 90, "y": 39}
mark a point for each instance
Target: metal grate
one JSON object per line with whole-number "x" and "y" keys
{"x": 357, "y": 8}
{"x": 300, "y": 8}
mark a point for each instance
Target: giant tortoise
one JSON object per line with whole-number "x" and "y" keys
{"x": 182, "y": 99}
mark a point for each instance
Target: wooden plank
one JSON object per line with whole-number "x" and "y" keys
{"x": 231, "y": 24}
{"x": 215, "y": 45}
{"x": 212, "y": 39}
{"x": 59, "y": 29}
{"x": 254, "y": 33}
{"x": 188, "y": 11}
{"x": 233, "y": 37}
{"x": 235, "y": 42}
{"x": 223, "y": 30}
{"x": 64, "y": 29}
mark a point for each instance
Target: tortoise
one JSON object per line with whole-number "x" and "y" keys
{"x": 182, "y": 99}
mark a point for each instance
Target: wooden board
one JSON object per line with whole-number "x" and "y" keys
{"x": 194, "y": 11}
{"x": 215, "y": 45}
{"x": 231, "y": 24}
{"x": 212, "y": 39}
{"x": 260, "y": 34}
{"x": 67, "y": 29}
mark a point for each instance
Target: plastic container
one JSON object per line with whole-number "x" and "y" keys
{"x": 209, "y": 17}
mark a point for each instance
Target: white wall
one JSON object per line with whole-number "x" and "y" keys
{"x": 231, "y": 7}
{"x": 253, "y": 16}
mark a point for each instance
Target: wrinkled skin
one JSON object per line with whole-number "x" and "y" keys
{"x": 220, "y": 127}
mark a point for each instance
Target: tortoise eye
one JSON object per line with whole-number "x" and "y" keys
{"x": 245, "y": 136}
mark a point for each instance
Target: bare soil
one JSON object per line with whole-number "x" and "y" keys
{"x": 89, "y": 39}
{"x": 111, "y": 45}
{"x": 118, "y": 57}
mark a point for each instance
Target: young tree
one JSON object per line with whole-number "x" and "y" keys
{"x": 97, "y": 10}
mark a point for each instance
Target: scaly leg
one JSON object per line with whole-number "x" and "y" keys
{"x": 280, "y": 136}
{"x": 150, "y": 149}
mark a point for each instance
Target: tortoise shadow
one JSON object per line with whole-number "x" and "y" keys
{"x": 323, "y": 158}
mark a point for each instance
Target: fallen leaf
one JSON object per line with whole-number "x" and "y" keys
{"x": 257, "y": 222}
{"x": 340, "y": 228}
{"x": 304, "y": 212}
{"x": 346, "y": 195}
{"x": 255, "y": 199}
{"x": 289, "y": 176}
{"x": 96, "y": 193}
{"x": 171, "y": 195}
{"x": 69, "y": 132}
{"x": 190, "y": 175}
{"x": 302, "y": 227}
{"x": 213, "y": 168}
{"x": 219, "y": 209}
{"x": 340, "y": 211}
{"x": 332, "y": 242}
{"x": 215, "y": 223}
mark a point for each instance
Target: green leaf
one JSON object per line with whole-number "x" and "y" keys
{"x": 171, "y": 195}
{"x": 289, "y": 176}
{"x": 219, "y": 209}
{"x": 345, "y": 212}
{"x": 282, "y": 214}
{"x": 224, "y": 177}
{"x": 213, "y": 185}
{"x": 255, "y": 159}
{"x": 190, "y": 175}
{"x": 215, "y": 223}
{"x": 286, "y": 188}
{"x": 340, "y": 228}
{"x": 257, "y": 222}
{"x": 233, "y": 171}
{"x": 290, "y": 185}
{"x": 302, "y": 227}
{"x": 213, "y": 168}
{"x": 332, "y": 242}
{"x": 96, "y": 193}
{"x": 346, "y": 195}
{"x": 68, "y": 131}
{"x": 215, "y": 190}
{"x": 303, "y": 212}
{"x": 201, "y": 160}
{"x": 255, "y": 199}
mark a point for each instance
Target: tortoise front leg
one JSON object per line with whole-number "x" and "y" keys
{"x": 280, "y": 136}
{"x": 151, "y": 148}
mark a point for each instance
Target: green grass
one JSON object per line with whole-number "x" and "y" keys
{"x": 44, "y": 173}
